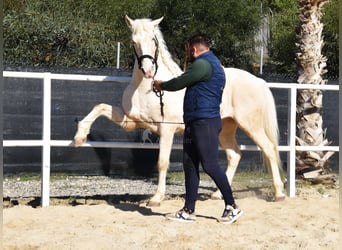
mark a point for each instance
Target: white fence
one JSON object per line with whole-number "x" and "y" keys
{"x": 46, "y": 143}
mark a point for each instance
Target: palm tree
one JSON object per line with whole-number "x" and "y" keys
{"x": 312, "y": 65}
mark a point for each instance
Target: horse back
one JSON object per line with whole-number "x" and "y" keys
{"x": 243, "y": 94}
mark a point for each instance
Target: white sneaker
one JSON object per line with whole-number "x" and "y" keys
{"x": 230, "y": 214}
{"x": 181, "y": 216}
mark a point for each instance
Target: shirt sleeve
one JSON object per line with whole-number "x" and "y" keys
{"x": 200, "y": 70}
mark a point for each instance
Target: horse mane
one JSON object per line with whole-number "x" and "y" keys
{"x": 165, "y": 54}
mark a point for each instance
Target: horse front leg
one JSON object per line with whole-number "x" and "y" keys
{"x": 112, "y": 113}
{"x": 165, "y": 146}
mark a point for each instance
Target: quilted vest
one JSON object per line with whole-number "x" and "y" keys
{"x": 202, "y": 99}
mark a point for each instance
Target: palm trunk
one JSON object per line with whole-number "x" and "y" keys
{"x": 312, "y": 65}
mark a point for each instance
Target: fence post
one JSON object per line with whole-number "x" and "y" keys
{"x": 118, "y": 57}
{"x": 46, "y": 149}
{"x": 291, "y": 155}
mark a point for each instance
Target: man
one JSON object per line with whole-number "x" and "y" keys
{"x": 204, "y": 80}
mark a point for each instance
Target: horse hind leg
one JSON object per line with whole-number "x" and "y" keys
{"x": 271, "y": 158}
{"x": 272, "y": 162}
{"x": 232, "y": 150}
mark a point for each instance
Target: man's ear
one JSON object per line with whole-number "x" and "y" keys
{"x": 194, "y": 50}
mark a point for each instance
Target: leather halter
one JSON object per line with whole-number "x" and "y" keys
{"x": 153, "y": 59}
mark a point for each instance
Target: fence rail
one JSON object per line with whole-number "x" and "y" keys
{"x": 46, "y": 143}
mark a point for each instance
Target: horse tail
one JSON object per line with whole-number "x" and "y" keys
{"x": 271, "y": 125}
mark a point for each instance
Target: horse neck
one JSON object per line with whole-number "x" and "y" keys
{"x": 165, "y": 60}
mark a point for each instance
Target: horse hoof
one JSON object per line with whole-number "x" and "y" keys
{"x": 280, "y": 198}
{"x": 153, "y": 204}
{"x": 78, "y": 142}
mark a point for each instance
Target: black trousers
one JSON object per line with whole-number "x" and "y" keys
{"x": 201, "y": 145}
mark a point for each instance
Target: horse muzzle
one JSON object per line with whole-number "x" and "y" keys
{"x": 148, "y": 73}
{"x": 148, "y": 66}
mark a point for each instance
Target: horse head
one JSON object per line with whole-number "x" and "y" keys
{"x": 145, "y": 44}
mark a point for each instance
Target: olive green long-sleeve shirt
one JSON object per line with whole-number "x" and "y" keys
{"x": 200, "y": 70}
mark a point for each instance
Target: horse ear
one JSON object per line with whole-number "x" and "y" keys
{"x": 129, "y": 21}
{"x": 157, "y": 21}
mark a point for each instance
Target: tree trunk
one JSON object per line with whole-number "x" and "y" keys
{"x": 312, "y": 65}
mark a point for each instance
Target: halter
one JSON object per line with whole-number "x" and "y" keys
{"x": 154, "y": 61}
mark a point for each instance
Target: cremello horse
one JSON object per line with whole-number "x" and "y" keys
{"x": 247, "y": 103}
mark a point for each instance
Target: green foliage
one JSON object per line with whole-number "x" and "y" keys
{"x": 230, "y": 29}
{"x": 43, "y": 33}
{"x": 331, "y": 36}
{"x": 84, "y": 33}
{"x": 283, "y": 36}
{"x": 77, "y": 33}
{"x": 283, "y": 40}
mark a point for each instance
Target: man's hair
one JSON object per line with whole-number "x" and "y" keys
{"x": 199, "y": 39}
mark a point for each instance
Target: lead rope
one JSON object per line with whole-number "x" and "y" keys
{"x": 160, "y": 95}
{"x": 157, "y": 92}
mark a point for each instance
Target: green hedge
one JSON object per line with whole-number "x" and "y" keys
{"x": 84, "y": 33}
{"x": 40, "y": 33}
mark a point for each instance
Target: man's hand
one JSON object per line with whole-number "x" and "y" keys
{"x": 157, "y": 85}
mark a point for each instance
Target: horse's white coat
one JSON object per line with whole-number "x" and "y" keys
{"x": 247, "y": 103}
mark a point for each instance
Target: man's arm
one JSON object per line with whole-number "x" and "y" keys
{"x": 200, "y": 70}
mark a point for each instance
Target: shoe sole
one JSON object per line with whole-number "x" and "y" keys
{"x": 231, "y": 221}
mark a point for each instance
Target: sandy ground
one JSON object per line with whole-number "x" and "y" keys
{"x": 308, "y": 221}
